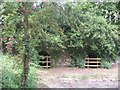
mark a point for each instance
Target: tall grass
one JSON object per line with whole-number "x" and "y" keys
{"x": 11, "y": 70}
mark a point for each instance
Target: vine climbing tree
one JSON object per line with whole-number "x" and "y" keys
{"x": 25, "y": 14}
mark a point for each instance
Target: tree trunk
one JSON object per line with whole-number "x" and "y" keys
{"x": 26, "y": 47}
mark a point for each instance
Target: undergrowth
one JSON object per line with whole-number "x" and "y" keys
{"x": 11, "y": 73}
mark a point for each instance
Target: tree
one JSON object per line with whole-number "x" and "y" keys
{"x": 25, "y": 13}
{"x": 88, "y": 31}
{"x": 80, "y": 28}
{"x": 19, "y": 12}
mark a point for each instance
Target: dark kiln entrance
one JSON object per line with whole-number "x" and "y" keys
{"x": 46, "y": 61}
{"x": 92, "y": 61}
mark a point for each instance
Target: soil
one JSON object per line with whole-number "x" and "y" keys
{"x": 70, "y": 77}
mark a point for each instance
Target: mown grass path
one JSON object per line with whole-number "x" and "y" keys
{"x": 69, "y": 77}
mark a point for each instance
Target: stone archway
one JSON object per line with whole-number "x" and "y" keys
{"x": 45, "y": 62}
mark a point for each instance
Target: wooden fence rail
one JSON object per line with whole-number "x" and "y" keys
{"x": 46, "y": 62}
{"x": 93, "y": 62}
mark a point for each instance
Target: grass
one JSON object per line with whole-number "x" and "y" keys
{"x": 86, "y": 77}
{"x": 65, "y": 76}
{"x": 11, "y": 73}
{"x": 0, "y": 69}
{"x": 80, "y": 77}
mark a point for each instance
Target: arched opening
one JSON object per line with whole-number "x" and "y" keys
{"x": 92, "y": 61}
{"x": 92, "y": 55}
{"x": 45, "y": 62}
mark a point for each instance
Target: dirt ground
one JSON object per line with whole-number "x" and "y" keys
{"x": 69, "y": 77}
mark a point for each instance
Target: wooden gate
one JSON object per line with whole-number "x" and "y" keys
{"x": 46, "y": 63}
{"x": 92, "y": 62}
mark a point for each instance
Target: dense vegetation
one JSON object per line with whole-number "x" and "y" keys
{"x": 80, "y": 29}
{"x": 11, "y": 73}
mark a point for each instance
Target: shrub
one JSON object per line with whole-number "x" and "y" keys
{"x": 32, "y": 79}
{"x": 106, "y": 64}
{"x": 78, "y": 61}
{"x": 81, "y": 26}
{"x": 11, "y": 73}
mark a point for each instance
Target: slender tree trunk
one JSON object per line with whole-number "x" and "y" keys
{"x": 26, "y": 47}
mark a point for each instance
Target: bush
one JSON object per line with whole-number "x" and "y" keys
{"x": 11, "y": 74}
{"x": 78, "y": 61}
{"x": 32, "y": 79}
{"x": 82, "y": 26}
{"x": 106, "y": 64}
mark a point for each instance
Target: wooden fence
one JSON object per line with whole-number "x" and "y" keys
{"x": 93, "y": 62}
{"x": 46, "y": 63}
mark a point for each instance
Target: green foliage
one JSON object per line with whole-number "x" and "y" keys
{"x": 78, "y": 61}
{"x": 106, "y": 64}
{"x": 11, "y": 73}
{"x": 87, "y": 29}
{"x": 32, "y": 78}
{"x": 85, "y": 26}
{"x": 80, "y": 29}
